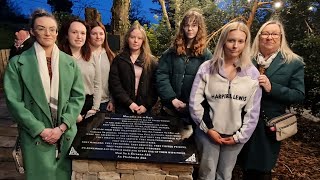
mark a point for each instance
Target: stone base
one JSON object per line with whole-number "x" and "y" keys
{"x": 115, "y": 170}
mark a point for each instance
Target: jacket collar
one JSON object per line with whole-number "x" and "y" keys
{"x": 126, "y": 56}
{"x": 32, "y": 79}
{"x": 275, "y": 65}
{"x": 31, "y": 76}
{"x": 277, "y": 62}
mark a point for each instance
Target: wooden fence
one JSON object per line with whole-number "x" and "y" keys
{"x": 4, "y": 58}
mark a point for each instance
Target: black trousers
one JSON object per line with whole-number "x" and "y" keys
{"x": 87, "y": 105}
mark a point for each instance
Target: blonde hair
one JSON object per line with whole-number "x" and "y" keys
{"x": 285, "y": 50}
{"x": 244, "y": 57}
{"x": 145, "y": 48}
{"x": 199, "y": 44}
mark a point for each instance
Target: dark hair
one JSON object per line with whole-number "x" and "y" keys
{"x": 63, "y": 41}
{"x": 105, "y": 45}
{"x": 40, "y": 13}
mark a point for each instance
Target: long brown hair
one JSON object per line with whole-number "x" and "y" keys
{"x": 105, "y": 45}
{"x": 199, "y": 44}
{"x": 63, "y": 42}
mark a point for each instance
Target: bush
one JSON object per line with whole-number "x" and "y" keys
{"x": 309, "y": 49}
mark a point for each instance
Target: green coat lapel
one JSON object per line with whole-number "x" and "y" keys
{"x": 33, "y": 80}
{"x": 275, "y": 65}
{"x": 66, "y": 73}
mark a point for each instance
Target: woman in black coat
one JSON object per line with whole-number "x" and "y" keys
{"x": 131, "y": 78}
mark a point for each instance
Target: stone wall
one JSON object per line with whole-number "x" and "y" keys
{"x": 115, "y": 170}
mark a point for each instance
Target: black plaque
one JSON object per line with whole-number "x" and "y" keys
{"x": 132, "y": 138}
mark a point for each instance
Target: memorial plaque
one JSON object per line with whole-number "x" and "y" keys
{"x": 132, "y": 138}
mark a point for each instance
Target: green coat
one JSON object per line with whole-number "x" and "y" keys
{"x": 28, "y": 105}
{"x": 287, "y": 80}
{"x": 175, "y": 75}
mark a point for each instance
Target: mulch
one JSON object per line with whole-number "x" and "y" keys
{"x": 300, "y": 155}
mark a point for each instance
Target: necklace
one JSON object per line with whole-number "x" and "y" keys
{"x": 76, "y": 56}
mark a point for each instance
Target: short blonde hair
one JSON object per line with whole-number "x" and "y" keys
{"x": 285, "y": 50}
{"x": 218, "y": 56}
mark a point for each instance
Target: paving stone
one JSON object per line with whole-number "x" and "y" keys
{"x": 8, "y": 171}
{"x": 7, "y": 141}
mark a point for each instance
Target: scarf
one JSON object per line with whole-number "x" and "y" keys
{"x": 265, "y": 63}
{"x": 51, "y": 90}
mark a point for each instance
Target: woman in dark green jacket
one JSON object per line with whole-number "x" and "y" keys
{"x": 179, "y": 64}
{"x": 282, "y": 81}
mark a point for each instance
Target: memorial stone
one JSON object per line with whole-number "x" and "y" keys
{"x": 132, "y": 138}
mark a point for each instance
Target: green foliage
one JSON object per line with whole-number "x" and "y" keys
{"x": 309, "y": 49}
{"x": 61, "y": 5}
{"x": 303, "y": 34}
{"x": 9, "y": 11}
{"x": 136, "y": 13}
{"x": 159, "y": 38}
{"x": 63, "y": 17}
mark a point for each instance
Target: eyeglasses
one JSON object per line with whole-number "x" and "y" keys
{"x": 265, "y": 35}
{"x": 192, "y": 26}
{"x": 43, "y": 30}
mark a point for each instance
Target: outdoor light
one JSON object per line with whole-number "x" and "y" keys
{"x": 311, "y": 8}
{"x": 249, "y": 1}
{"x": 277, "y": 4}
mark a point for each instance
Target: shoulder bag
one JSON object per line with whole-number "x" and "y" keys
{"x": 285, "y": 125}
{"x": 17, "y": 156}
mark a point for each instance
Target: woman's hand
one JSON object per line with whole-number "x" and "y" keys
{"x": 178, "y": 105}
{"x": 50, "y": 135}
{"x": 46, "y": 133}
{"x": 141, "y": 110}
{"x": 134, "y": 107}
{"x": 265, "y": 83}
{"x": 110, "y": 107}
{"x": 215, "y": 136}
{"x": 228, "y": 140}
{"x": 79, "y": 118}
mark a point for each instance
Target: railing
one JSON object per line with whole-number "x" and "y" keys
{"x": 4, "y": 58}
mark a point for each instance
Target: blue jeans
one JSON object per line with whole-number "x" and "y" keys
{"x": 217, "y": 161}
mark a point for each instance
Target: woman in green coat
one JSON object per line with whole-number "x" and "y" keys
{"x": 44, "y": 93}
{"x": 282, "y": 81}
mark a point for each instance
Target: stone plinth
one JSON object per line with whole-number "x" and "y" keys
{"x": 116, "y": 170}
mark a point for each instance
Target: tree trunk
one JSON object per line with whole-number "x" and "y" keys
{"x": 91, "y": 14}
{"x": 177, "y": 13}
{"x": 165, "y": 14}
{"x": 120, "y": 18}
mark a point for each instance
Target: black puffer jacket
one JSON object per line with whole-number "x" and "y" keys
{"x": 122, "y": 84}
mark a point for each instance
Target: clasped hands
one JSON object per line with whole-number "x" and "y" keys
{"x": 138, "y": 109}
{"x": 52, "y": 135}
{"x": 178, "y": 105}
{"x": 215, "y": 136}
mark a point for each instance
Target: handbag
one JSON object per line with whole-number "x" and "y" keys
{"x": 17, "y": 156}
{"x": 285, "y": 125}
